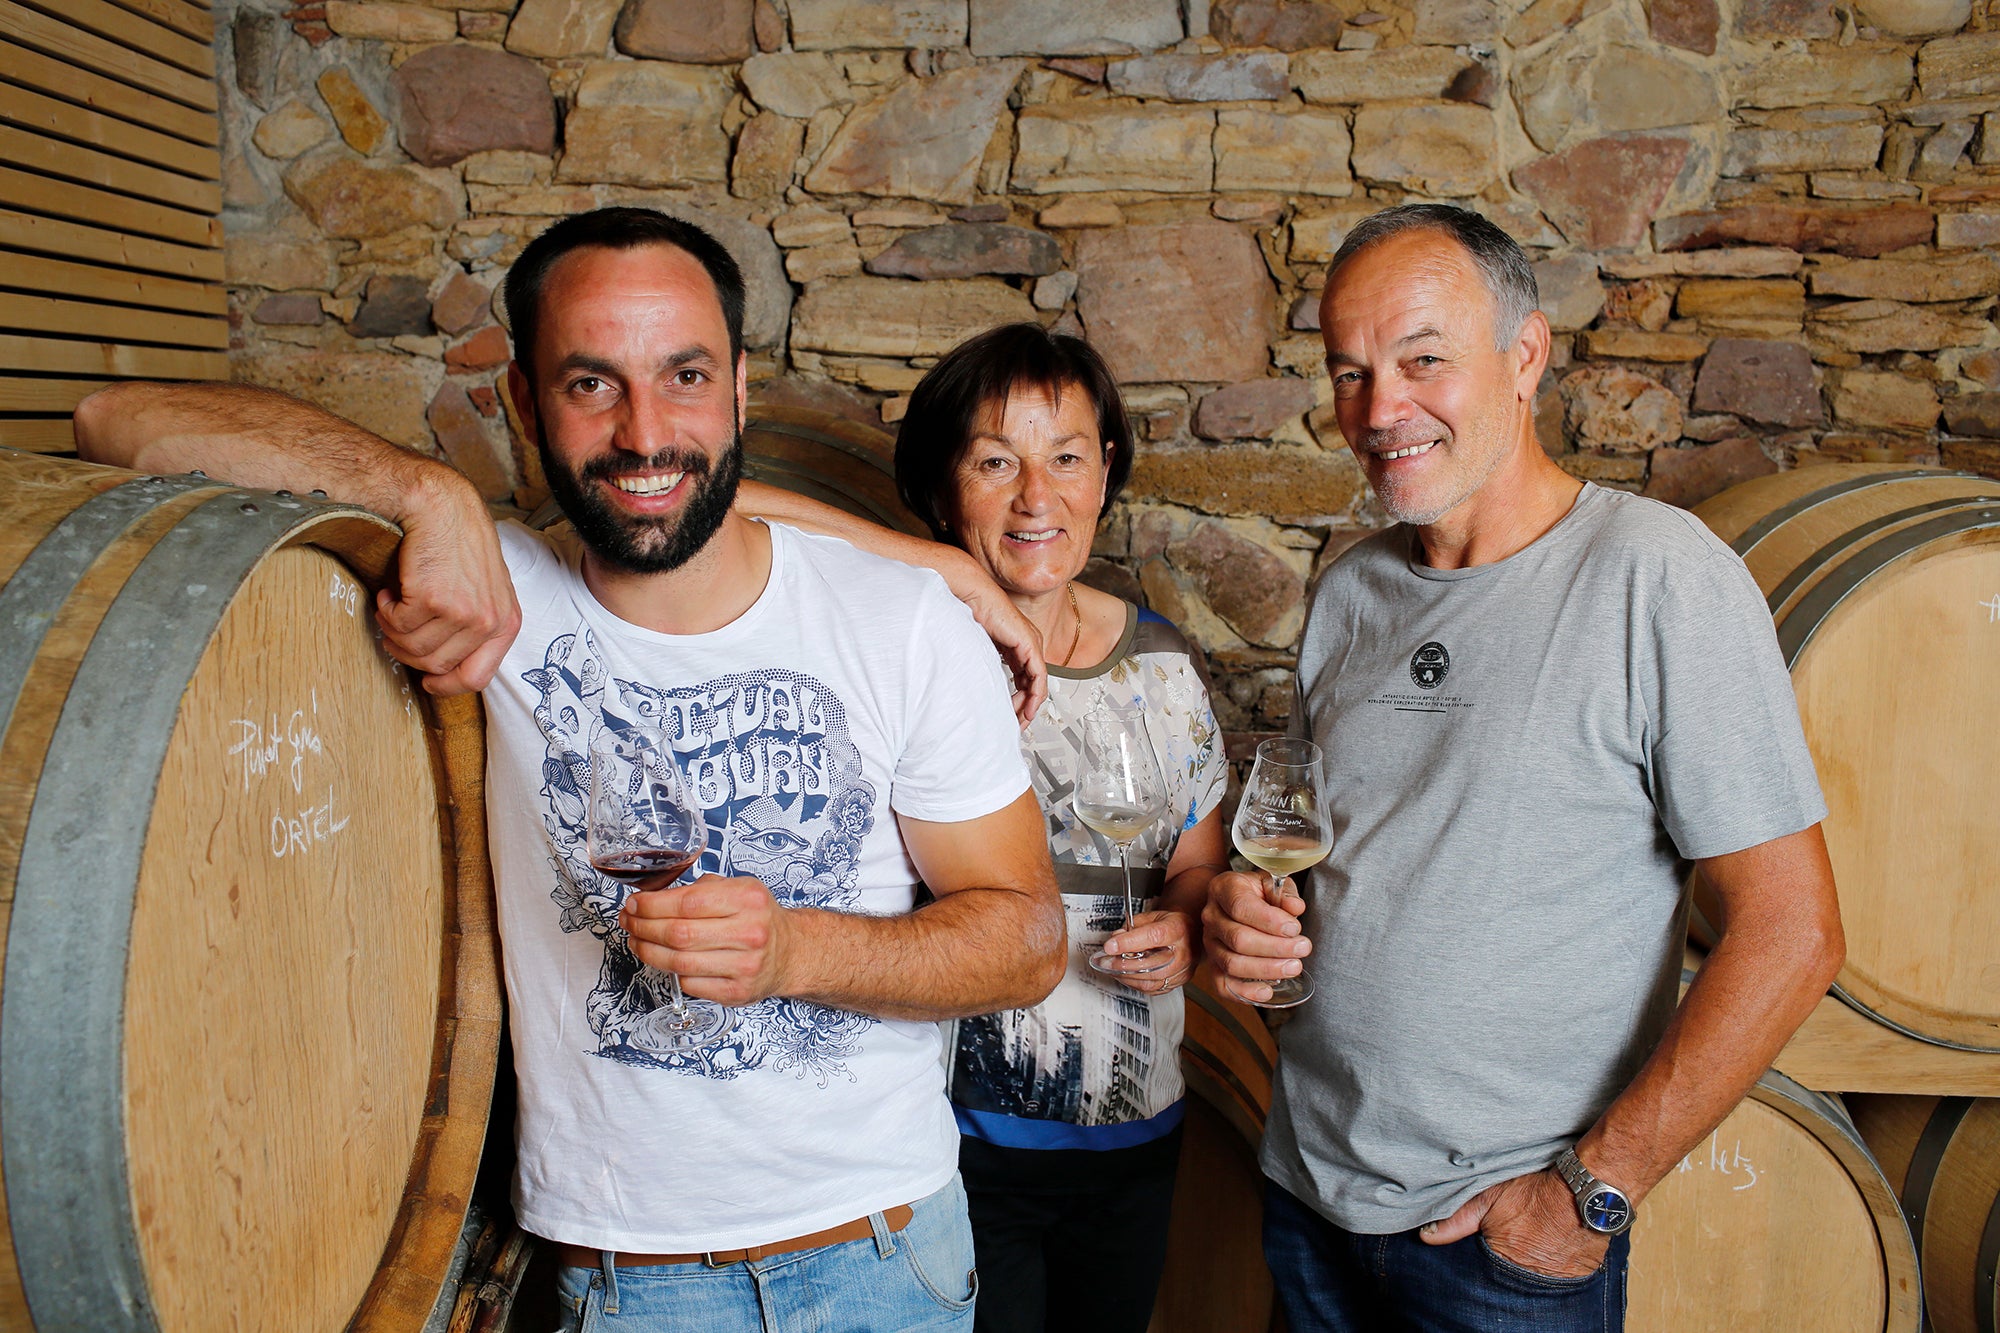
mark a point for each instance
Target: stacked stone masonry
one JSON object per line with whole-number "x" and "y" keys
{"x": 1767, "y": 232}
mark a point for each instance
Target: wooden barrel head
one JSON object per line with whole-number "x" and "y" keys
{"x": 1943, "y": 1155}
{"x": 1780, "y": 1222}
{"x": 288, "y": 887}
{"x": 250, "y": 1011}
{"x": 1884, "y": 582}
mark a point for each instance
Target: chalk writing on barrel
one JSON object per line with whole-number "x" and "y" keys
{"x": 264, "y": 748}
{"x": 297, "y": 831}
{"x": 284, "y": 746}
{"x": 1992, "y": 605}
{"x": 1726, "y": 1161}
{"x": 345, "y": 593}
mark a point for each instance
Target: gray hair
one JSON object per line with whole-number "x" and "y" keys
{"x": 1500, "y": 260}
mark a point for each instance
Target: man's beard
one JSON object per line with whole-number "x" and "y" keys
{"x": 1403, "y": 507}
{"x": 654, "y": 545}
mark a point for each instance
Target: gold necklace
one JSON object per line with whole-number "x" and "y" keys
{"x": 1076, "y": 639}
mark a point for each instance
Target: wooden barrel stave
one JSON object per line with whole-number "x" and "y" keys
{"x": 1215, "y": 1275}
{"x": 1745, "y": 514}
{"x": 1875, "y": 574}
{"x": 1942, "y": 1154}
{"x": 827, "y": 458}
{"x": 1807, "y": 1182}
{"x": 135, "y": 593}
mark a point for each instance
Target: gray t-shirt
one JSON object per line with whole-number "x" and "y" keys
{"x": 1522, "y": 756}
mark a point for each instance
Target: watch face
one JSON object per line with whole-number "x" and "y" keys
{"x": 1607, "y": 1210}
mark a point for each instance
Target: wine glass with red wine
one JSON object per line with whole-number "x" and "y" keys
{"x": 646, "y": 830}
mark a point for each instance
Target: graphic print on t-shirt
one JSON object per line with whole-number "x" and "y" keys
{"x": 1429, "y": 665}
{"x": 768, "y": 756}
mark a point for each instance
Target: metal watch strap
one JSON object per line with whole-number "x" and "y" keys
{"x": 1583, "y": 1185}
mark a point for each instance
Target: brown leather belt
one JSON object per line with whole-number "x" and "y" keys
{"x": 579, "y": 1256}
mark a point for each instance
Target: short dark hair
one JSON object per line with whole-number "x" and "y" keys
{"x": 616, "y": 229}
{"x": 986, "y": 369}
{"x": 1500, "y": 260}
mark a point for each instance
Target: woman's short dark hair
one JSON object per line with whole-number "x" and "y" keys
{"x": 621, "y": 228}
{"x": 983, "y": 371}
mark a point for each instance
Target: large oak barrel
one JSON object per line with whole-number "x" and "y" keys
{"x": 1885, "y": 584}
{"x": 1780, "y": 1222}
{"x": 1943, "y": 1156}
{"x": 1215, "y": 1279}
{"x": 249, "y": 1009}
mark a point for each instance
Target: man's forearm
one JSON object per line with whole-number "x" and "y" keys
{"x": 972, "y": 952}
{"x": 257, "y": 437}
{"x": 761, "y": 500}
{"x": 1750, "y": 996}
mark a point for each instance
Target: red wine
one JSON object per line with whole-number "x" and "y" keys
{"x": 644, "y": 863}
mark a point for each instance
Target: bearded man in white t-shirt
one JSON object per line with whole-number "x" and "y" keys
{"x": 843, "y": 723}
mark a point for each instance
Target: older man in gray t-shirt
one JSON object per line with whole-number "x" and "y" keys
{"x": 1539, "y": 700}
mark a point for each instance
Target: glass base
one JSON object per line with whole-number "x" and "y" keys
{"x": 1139, "y": 964}
{"x": 670, "y": 1031}
{"x": 1285, "y": 992}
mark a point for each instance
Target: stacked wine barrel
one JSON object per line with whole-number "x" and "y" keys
{"x": 1884, "y": 584}
{"x": 249, "y": 1009}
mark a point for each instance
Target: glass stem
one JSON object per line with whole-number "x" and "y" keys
{"x": 678, "y": 1001}
{"x": 1125, "y": 861}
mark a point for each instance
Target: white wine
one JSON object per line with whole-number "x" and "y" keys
{"x": 1120, "y": 823}
{"x": 1282, "y": 854}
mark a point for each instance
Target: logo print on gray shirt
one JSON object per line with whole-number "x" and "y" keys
{"x": 1429, "y": 665}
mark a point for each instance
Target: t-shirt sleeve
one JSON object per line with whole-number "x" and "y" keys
{"x": 526, "y": 551}
{"x": 1211, "y": 764}
{"x": 961, "y": 757}
{"x": 1730, "y": 768}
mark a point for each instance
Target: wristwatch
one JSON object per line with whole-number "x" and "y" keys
{"x": 1603, "y": 1208}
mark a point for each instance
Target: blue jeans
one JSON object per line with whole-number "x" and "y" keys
{"x": 918, "y": 1278}
{"x": 1334, "y": 1281}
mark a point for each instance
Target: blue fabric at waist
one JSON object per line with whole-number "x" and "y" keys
{"x": 1012, "y": 1131}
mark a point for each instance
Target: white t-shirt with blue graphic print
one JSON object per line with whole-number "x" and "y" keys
{"x": 854, "y": 689}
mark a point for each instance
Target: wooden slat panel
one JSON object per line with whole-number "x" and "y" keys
{"x": 32, "y": 69}
{"x": 133, "y": 31}
{"x": 89, "y": 167}
{"x": 45, "y": 115}
{"x": 43, "y": 314}
{"x": 41, "y": 194}
{"x": 24, "y": 231}
{"x": 127, "y": 28}
{"x": 182, "y": 18}
{"x": 61, "y": 356}
{"x": 47, "y": 435}
{"x": 66, "y": 42}
{"x": 62, "y": 277}
{"x": 28, "y": 395}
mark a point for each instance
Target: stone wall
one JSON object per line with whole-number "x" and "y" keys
{"x": 1764, "y": 229}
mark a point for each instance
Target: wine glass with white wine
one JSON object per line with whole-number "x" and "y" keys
{"x": 644, "y": 828}
{"x": 1282, "y": 829}
{"x": 1120, "y": 794}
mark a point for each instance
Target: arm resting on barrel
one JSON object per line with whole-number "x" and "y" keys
{"x": 1780, "y": 949}
{"x": 1020, "y": 644}
{"x": 994, "y": 939}
{"x": 452, "y": 613}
